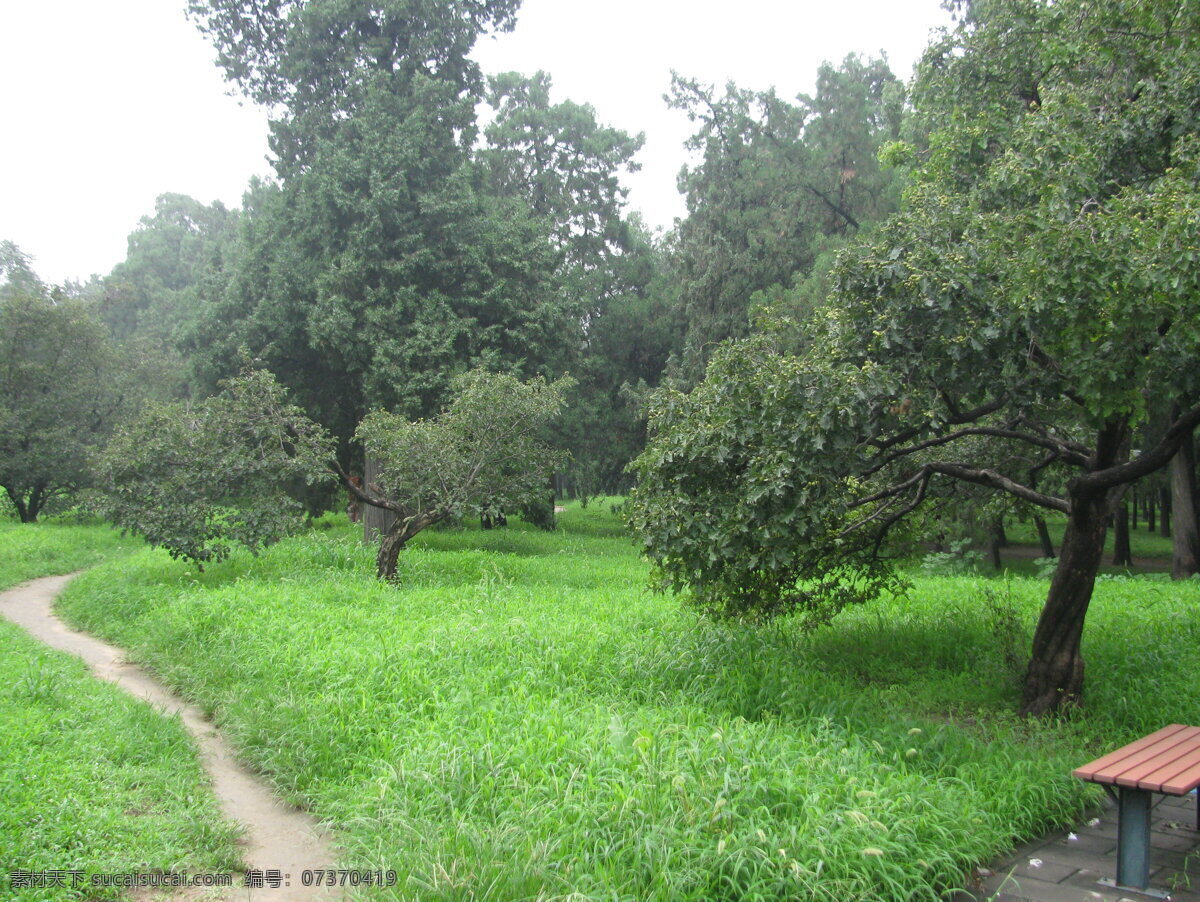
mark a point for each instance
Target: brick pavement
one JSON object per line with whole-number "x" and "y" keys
{"x": 1066, "y": 866}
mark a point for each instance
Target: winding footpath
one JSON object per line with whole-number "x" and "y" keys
{"x": 277, "y": 835}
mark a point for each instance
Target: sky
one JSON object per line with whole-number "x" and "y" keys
{"x": 109, "y": 104}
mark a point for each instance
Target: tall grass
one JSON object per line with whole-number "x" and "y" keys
{"x": 30, "y": 550}
{"x": 520, "y": 719}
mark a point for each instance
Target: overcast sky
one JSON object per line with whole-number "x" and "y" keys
{"x": 109, "y": 104}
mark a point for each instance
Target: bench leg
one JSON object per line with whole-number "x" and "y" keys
{"x": 1133, "y": 838}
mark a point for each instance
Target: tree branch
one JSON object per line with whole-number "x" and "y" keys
{"x": 1062, "y": 450}
{"x": 362, "y": 493}
{"x": 922, "y": 482}
{"x": 992, "y": 479}
{"x": 891, "y": 491}
{"x": 985, "y": 477}
{"x": 834, "y": 206}
{"x": 1145, "y": 463}
{"x": 1048, "y": 363}
{"x": 955, "y": 419}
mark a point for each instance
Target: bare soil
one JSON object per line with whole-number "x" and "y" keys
{"x": 277, "y": 836}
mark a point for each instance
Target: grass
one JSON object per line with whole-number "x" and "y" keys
{"x": 520, "y": 719}
{"x": 91, "y": 780}
{"x": 53, "y": 548}
{"x": 1142, "y": 543}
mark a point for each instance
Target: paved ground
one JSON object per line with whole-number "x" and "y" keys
{"x": 1066, "y": 867}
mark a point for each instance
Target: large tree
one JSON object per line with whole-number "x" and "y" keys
{"x": 1033, "y": 301}
{"x": 778, "y": 182}
{"x": 381, "y": 263}
{"x": 566, "y": 166}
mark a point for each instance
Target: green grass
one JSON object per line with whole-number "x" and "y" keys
{"x": 521, "y": 719}
{"x": 1142, "y": 543}
{"x": 90, "y": 779}
{"x": 28, "y": 551}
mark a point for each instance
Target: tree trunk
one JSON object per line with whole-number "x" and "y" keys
{"x": 37, "y": 500}
{"x": 1044, "y": 537}
{"x": 27, "y": 508}
{"x": 998, "y": 532}
{"x": 1055, "y": 675}
{"x": 396, "y": 538}
{"x": 1150, "y": 526}
{"x": 377, "y": 521}
{"x": 994, "y": 551}
{"x": 1122, "y": 554}
{"x": 1164, "y": 510}
{"x": 389, "y": 551}
{"x": 1184, "y": 527}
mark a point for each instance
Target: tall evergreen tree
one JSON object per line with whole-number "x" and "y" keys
{"x": 378, "y": 266}
{"x": 777, "y": 183}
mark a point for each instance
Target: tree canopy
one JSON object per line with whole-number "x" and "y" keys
{"x": 392, "y": 254}
{"x": 62, "y": 387}
{"x": 778, "y": 184}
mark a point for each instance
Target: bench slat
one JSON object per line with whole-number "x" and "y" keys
{"x": 1151, "y": 773}
{"x": 1170, "y": 773}
{"x": 1183, "y": 782}
{"x": 1107, "y": 768}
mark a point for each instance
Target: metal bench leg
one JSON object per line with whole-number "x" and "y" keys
{"x": 1133, "y": 838}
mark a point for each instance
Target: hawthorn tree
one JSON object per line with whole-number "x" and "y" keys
{"x": 199, "y": 479}
{"x": 482, "y": 452}
{"x": 1027, "y": 309}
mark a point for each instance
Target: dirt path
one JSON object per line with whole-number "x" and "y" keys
{"x": 277, "y": 836}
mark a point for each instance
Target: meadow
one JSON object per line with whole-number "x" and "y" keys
{"x": 519, "y": 718}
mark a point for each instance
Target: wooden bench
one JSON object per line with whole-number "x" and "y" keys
{"x": 1167, "y": 761}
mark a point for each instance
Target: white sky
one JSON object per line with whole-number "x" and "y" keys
{"x": 109, "y": 104}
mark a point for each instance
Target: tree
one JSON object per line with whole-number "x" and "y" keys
{"x": 17, "y": 271}
{"x": 1034, "y": 296}
{"x": 624, "y": 353}
{"x": 780, "y": 183}
{"x": 381, "y": 264}
{"x": 1185, "y": 526}
{"x": 62, "y": 386}
{"x": 565, "y": 166}
{"x": 199, "y": 479}
{"x": 154, "y": 291}
{"x": 482, "y": 452}
{"x": 320, "y": 63}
